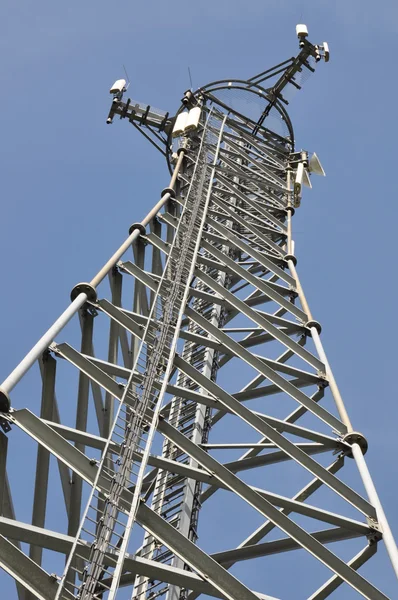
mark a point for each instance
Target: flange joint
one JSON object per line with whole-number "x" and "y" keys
{"x": 314, "y": 324}
{"x": 168, "y": 190}
{"x": 138, "y": 226}
{"x": 84, "y": 288}
{"x": 291, "y": 257}
{"x": 355, "y": 437}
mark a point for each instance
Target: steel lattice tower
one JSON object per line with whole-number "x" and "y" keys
{"x": 203, "y": 346}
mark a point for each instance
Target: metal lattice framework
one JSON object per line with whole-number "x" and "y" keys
{"x": 219, "y": 356}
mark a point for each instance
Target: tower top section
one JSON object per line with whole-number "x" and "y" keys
{"x": 260, "y": 101}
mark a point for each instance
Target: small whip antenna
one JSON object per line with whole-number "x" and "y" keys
{"x": 190, "y": 78}
{"x": 127, "y": 78}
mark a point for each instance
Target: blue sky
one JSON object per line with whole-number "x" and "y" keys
{"x": 71, "y": 185}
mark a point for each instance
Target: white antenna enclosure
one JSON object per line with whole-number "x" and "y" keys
{"x": 301, "y": 30}
{"x": 118, "y": 86}
{"x": 193, "y": 119}
{"x": 180, "y": 124}
{"x": 306, "y": 179}
{"x": 315, "y": 166}
{"x": 299, "y": 179}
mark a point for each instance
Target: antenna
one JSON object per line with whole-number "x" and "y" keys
{"x": 190, "y": 78}
{"x": 127, "y": 78}
{"x": 315, "y": 166}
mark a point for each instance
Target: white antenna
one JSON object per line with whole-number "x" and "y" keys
{"x": 127, "y": 78}
{"x": 314, "y": 166}
{"x": 299, "y": 179}
{"x": 306, "y": 179}
{"x": 190, "y": 79}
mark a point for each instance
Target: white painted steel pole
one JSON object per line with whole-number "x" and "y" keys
{"x": 34, "y": 354}
{"x": 357, "y": 453}
{"x": 135, "y": 234}
{"x": 388, "y": 537}
{"x": 289, "y": 213}
{"x": 332, "y": 382}
{"x": 300, "y": 290}
{"x": 38, "y": 349}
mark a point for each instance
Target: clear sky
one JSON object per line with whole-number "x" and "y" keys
{"x": 71, "y": 185}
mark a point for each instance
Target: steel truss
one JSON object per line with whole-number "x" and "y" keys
{"x": 215, "y": 289}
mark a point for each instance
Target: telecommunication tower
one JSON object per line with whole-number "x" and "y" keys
{"x": 200, "y": 373}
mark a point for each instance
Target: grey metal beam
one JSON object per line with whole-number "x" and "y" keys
{"x": 212, "y": 402}
{"x": 256, "y": 143}
{"x": 152, "y": 283}
{"x": 244, "y": 222}
{"x": 122, "y": 316}
{"x": 43, "y": 456}
{"x": 199, "y": 561}
{"x": 9, "y": 512}
{"x": 63, "y": 470}
{"x": 285, "y": 324}
{"x": 76, "y": 487}
{"x": 139, "y": 291}
{"x": 155, "y": 461}
{"x": 272, "y": 458}
{"x": 284, "y": 444}
{"x": 157, "y": 266}
{"x": 140, "y": 295}
{"x": 139, "y": 274}
{"x": 287, "y": 369}
{"x": 249, "y": 177}
{"x": 126, "y": 351}
{"x": 115, "y": 281}
{"x": 298, "y": 506}
{"x": 265, "y": 390}
{"x": 205, "y": 476}
{"x": 176, "y": 390}
{"x": 26, "y": 572}
{"x": 87, "y": 367}
{"x": 61, "y": 543}
{"x": 262, "y": 321}
{"x": 265, "y": 221}
{"x": 279, "y": 425}
{"x": 244, "y": 162}
{"x": 245, "y": 151}
{"x": 247, "y": 171}
{"x": 254, "y": 451}
{"x": 269, "y": 373}
{"x": 303, "y": 495}
{"x": 260, "y": 257}
{"x": 155, "y": 570}
{"x": 81, "y": 437}
{"x": 293, "y": 417}
{"x": 56, "y": 444}
{"x": 98, "y": 403}
{"x": 265, "y": 239}
{"x": 334, "y": 582}
{"x": 32, "y": 534}
{"x": 109, "y": 368}
{"x": 259, "y": 378}
{"x": 304, "y": 539}
{"x": 303, "y": 432}
{"x": 266, "y": 261}
{"x": 326, "y": 536}
{"x": 277, "y": 294}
